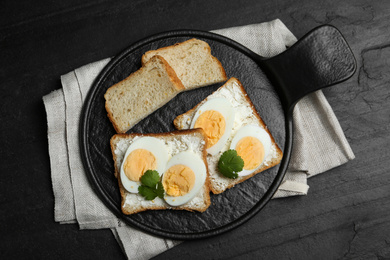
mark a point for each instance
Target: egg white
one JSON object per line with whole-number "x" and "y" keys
{"x": 256, "y": 132}
{"x": 197, "y": 165}
{"x": 224, "y": 107}
{"x": 153, "y": 145}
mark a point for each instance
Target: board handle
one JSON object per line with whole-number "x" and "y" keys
{"x": 320, "y": 59}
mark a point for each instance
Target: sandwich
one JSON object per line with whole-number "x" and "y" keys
{"x": 239, "y": 143}
{"x": 162, "y": 171}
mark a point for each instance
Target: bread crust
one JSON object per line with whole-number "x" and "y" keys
{"x": 152, "y": 53}
{"x": 176, "y": 133}
{"x": 172, "y": 74}
{"x": 180, "y": 124}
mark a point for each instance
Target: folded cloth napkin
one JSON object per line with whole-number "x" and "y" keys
{"x": 319, "y": 144}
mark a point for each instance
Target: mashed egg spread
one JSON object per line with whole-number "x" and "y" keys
{"x": 213, "y": 124}
{"x": 138, "y": 162}
{"x": 178, "y": 180}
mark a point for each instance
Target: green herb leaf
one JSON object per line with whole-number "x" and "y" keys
{"x": 147, "y": 192}
{"x": 150, "y": 178}
{"x": 160, "y": 190}
{"x": 151, "y": 185}
{"x": 230, "y": 163}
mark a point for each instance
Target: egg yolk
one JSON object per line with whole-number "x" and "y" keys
{"x": 213, "y": 124}
{"x": 178, "y": 180}
{"x": 251, "y": 150}
{"x": 138, "y": 162}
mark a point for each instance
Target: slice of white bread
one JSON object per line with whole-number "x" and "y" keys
{"x": 176, "y": 141}
{"x": 193, "y": 63}
{"x": 141, "y": 93}
{"x": 245, "y": 114}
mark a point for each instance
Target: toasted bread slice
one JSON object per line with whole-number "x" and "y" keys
{"x": 176, "y": 141}
{"x": 193, "y": 63}
{"x": 141, "y": 93}
{"x": 233, "y": 91}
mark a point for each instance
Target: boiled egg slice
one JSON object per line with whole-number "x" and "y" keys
{"x": 216, "y": 118}
{"x": 252, "y": 144}
{"x": 184, "y": 177}
{"x": 145, "y": 153}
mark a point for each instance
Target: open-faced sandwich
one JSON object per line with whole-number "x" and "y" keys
{"x": 239, "y": 143}
{"x": 162, "y": 171}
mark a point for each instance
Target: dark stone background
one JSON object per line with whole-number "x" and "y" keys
{"x": 347, "y": 212}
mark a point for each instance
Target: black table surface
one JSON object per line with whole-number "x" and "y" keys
{"x": 346, "y": 214}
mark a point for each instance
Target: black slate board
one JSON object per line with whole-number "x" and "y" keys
{"x": 229, "y": 209}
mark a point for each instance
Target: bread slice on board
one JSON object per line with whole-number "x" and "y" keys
{"x": 176, "y": 141}
{"x": 193, "y": 63}
{"x": 141, "y": 93}
{"x": 233, "y": 91}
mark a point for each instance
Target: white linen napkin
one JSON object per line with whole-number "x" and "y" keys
{"x": 319, "y": 144}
